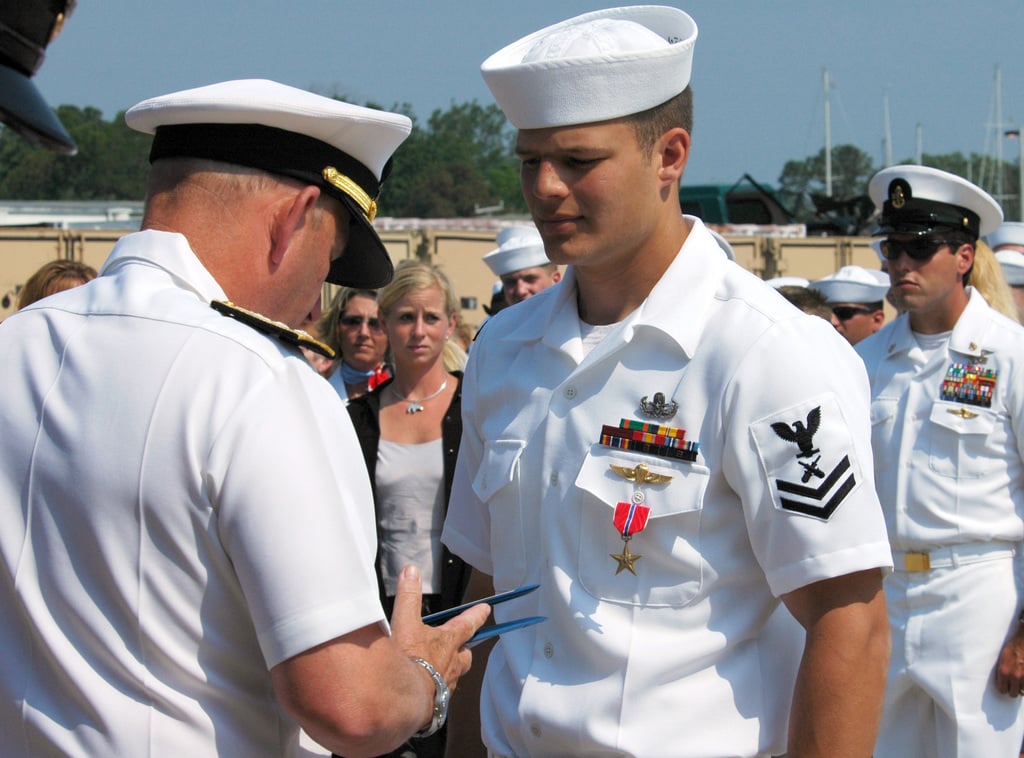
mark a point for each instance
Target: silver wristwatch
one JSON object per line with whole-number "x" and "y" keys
{"x": 441, "y": 697}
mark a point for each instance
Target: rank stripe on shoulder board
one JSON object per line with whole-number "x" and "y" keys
{"x": 283, "y": 332}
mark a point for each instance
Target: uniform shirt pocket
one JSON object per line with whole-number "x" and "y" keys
{"x": 958, "y": 440}
{"x": 883, "y": 427}
{"x": 497, "y": 486}
{"x": 670, "y": 571}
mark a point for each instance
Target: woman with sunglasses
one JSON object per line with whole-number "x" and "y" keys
{"x": 409, "y": 429}
{"x": 352, "y": 327}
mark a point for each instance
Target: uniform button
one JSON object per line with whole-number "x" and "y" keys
{"x": 570, "y": 392}
{"x": 549, "y": 650}
{"x": 535, "y": 730}
{"x": 554, "y": 477}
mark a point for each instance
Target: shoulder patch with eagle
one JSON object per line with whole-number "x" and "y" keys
{"x": 807, "y": 453}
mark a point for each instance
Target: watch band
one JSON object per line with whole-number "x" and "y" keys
{"x": 441, "y": 696}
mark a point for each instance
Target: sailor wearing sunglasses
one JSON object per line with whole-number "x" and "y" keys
{"x": 855, "y": 296}
{"x": 947, "y": 406}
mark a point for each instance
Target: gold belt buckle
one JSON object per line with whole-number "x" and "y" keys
{"x": 916, "y": 562}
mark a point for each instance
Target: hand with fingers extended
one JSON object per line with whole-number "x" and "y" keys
{"x": 442, "y": 646}
{"x": 1010, "y": 668}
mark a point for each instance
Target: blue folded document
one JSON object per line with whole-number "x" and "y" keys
{"x": 485, "y": 633}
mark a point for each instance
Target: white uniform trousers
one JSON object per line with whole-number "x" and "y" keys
{"x": 949, "y": 625}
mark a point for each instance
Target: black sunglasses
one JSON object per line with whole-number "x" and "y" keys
{"x": 354, "y": 322}
{"x": 846, "y": 312}
{"x": 918, "y": 248}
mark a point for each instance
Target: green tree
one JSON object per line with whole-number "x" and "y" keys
{"x": 984, "y": 171}
{"x": 461, "y": 159}
{"x": 851, "y": 170}
{"x": 803, "y": 187}
{"x": 110, "y": 164}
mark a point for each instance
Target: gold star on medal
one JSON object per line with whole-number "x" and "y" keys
{"x": 626, "y": 560}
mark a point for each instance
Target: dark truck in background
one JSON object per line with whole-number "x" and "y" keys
{"x": 749, "y": 202}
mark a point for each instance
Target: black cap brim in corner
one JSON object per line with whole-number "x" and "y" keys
{"x": 23, "y": 109}
{"x": 365, "y": 263}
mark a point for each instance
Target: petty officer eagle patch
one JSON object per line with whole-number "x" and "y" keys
{"x": 807, "y": 454}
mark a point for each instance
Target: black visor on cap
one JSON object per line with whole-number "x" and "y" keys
{"x": 902, "y": 213}
{"x": 26, "y": 28}
{"x": 924, "y": 216}
{"x": 365, "y": 262}
{"x": 25, "y": 111}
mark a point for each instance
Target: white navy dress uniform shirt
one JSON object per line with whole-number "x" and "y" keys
{"x": 643, "y": 664}
{"x": 170, "y": 596}
{"x": 954, "y": 470}
{"x": 947, "y": 413}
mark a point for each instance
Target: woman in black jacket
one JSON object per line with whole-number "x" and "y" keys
{"x": 409, "y": 430}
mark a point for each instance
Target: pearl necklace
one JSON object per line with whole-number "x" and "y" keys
{"x": 415, "y": 406}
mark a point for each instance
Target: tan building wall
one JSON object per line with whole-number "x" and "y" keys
{"x": 458, "y": 251}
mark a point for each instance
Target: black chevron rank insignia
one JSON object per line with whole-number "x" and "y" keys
{"x": 807, "y": 455}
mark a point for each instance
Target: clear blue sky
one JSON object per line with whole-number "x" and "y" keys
{"x": 758, "y": 66}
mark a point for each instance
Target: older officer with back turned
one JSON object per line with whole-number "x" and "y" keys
{"x": 947, "y": 409}
{"x": 186, "y": 559}
{"x": 662, "y": 443}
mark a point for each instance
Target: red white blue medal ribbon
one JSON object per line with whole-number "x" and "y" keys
{"x": 630, "y": 518}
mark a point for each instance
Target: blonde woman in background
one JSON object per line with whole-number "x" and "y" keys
{"x": 409, "y": 430}
{"x": 987, "y": 277}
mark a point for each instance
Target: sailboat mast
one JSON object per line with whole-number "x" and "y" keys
{"x": 888, "y": 130}
{"x": 999, "y": 135}
{"x": 828, "y": 139}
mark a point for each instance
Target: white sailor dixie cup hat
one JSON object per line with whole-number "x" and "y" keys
{"x": 1012, "y": 263}
{"x": 1010, "y": 233}
{"x": 920, "y": 200}
{"x": 519, "y": 247}
{"x": 787, "y": 281}
{"x": 342, "y": 148}
{"x": 853, "y": 284}
{"x": 595, "y": 67}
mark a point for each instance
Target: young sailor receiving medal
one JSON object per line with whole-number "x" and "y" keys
{"x": 661, "y": 561}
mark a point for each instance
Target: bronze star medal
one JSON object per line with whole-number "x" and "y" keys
{"x": 629, "y": 519}
{"x": 626, "y": 559}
